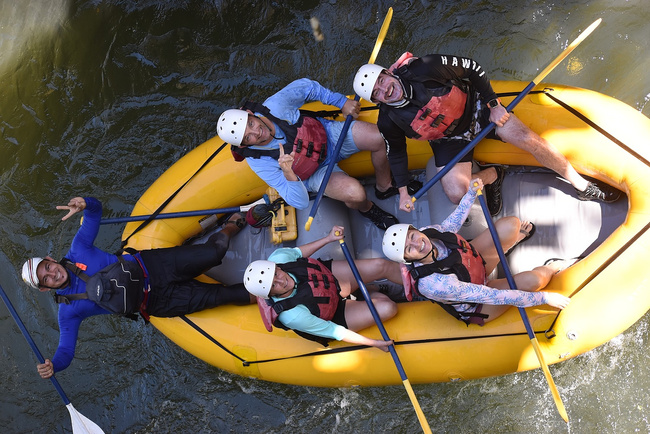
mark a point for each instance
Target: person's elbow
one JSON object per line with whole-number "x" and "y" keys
{"x": 300, "y": 203}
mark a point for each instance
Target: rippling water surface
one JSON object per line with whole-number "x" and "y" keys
{"x": 100, "y": 97}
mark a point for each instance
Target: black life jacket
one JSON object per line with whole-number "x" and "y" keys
{"x": 307, "y": 138}
{"x": 441, "y": 105}
{"x": 119, "y": 287}
{"x": 464, "y": 261}
{"x": 318, "y": 290}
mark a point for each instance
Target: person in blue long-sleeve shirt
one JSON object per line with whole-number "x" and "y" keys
{"x": 267, "y": 134}
{"x": 168, "y": 278}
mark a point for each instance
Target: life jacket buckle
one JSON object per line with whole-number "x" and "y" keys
{"x": 437, "y": 121}
{"x": 310, "y": 149}
{"x": 298, "y": 146}
{"x": 450, "y": 129}
{"x": 424, "y": 114}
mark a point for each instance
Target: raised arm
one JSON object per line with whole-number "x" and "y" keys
{"x": 75, "y": 205}
{"x": 310, "y": 248}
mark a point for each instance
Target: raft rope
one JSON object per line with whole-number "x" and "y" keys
{"x": 346, "y": 349}
{"x": 550, "y": 333}
{"x": 153, "y": 216}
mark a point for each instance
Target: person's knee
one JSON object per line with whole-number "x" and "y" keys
{"x": 455, "y": 189}
{"x": 507, "y": 226}
{"x": 367, "y": 137}
{"x": 353, "y": 192}
{"x": 386, "y": 308}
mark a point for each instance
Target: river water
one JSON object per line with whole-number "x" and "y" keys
{"x": 100, "y": 97}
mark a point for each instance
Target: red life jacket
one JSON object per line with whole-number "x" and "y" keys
{"x": 318, "y": 290}
{"x": 307, "y": 138}
{"x": 440, "y": 107}
{"x": 464, "y": 261}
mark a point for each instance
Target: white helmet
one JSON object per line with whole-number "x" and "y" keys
{"x": 258, "y": 278}
{"x": 365, "y": 80}
{"x": 232, "y": 126}
{"x": 29, "y": 272}
{"x": 394, "y": 242}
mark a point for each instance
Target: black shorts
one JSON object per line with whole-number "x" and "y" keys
{"x": 339, "y": 315}
{"x": 445, "y": 149}
{"x": 174, "y": 291}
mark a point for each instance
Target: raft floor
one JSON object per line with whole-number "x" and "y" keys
{"x": 565, "y": 226}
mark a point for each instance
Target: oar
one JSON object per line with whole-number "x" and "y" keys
{"x": 173, "y": 215}
{"x": 80, "y": 423}
{"x": 522, "y": 311}
{"x": 407, "y": 384}
{"x": 511, "y": 106}
{"x": 346, "y": 125}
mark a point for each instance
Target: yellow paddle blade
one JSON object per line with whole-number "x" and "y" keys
{"x": 549, "y": 379}
{"x": 381, "y": 36}
{"x": 567, "y": 51}
{"x": 416, "y": 405}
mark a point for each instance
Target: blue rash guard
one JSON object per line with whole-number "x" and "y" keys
{"x": 285, "y": 104}
{"x": 81, "y": 251}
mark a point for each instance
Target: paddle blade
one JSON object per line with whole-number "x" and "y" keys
{"x": 308, "y": 223}
{"x": 381, "y": 36}
{"x": 416, "y": 405}
{"x": 81, "y": 424}
{"x": 549, "y": 379}
{"x": 567, "y": 51}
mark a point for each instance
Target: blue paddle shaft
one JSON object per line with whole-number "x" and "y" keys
{"x": 471, "y": 145}
{"x": 373, "y": 311}
{"x": 332, "y": 163}
{"x": 170, "y": 215}
{"x": 31, "y": 342}
{"x": 504, "y": 262}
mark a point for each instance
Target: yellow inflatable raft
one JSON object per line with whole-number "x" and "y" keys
{"x": 610, "y": 288}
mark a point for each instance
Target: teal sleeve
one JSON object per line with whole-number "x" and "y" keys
{"x": 285, "y": 254}
{"x": 300, "y": 318}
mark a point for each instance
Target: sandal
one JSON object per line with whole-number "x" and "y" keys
{"x": 528, "y": 234}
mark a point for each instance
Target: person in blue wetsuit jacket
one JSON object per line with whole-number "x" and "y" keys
{"x": 290, "y": 150}
{"x": 160, "y": 281}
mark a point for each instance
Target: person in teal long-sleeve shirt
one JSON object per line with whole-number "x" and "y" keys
{"x": 314, "y": 293}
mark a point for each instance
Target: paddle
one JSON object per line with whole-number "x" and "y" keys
{"x": 346, "y": 125}
{"x": 423, "y": 421}
{"x": 522, "y": 311}
{"x": 173, "y": 215}
{"x": 510, "y": 107}
{"x": 80, "y": 423}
